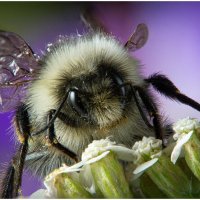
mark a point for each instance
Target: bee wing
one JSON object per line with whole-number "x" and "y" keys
{"x": 138, "y": 38}
{"x": 17, "y": 66}
{"x": 91, "y": 21}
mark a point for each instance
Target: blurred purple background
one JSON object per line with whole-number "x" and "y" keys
{"x": 173, "y": 47}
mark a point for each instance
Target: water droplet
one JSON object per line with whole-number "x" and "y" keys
{"x": 61, "y": 38}
{"x": 49, "y": 44}
{"x": 19, "y": 55}
{"x": 26, "y": 51}
{"x": 37, "y": 57}
{"x": 49, "y": 47}
{"x": 15, "y": 68}
{"x": 3, "y": 78}
{"x": 78, "y": 34}
{"x": 2, "y": 41}
{"x": 42, "y": 52}
{"x": 2, "y": 59}
{"x": 1, "y": 101}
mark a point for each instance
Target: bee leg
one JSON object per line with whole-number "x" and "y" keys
{"x": 12, "y": 181}
{"x": 54, "y": 142}
{"x": 162, "y": 84}
{"x": 13, "y": 177}
{"x": 7, "y": 183}
{"x": 151, "y": 109}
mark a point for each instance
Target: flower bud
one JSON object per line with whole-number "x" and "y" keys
{"x": 109, "y": 177}
{"x": 64, "y": 182}
{"x": 169, "y": 178}
{"x": 187, "y": 133}
{"x": 67, "y": 187}
{"x": 194, "y": 182}
{"x": 107, "y": 171}
{"x": 192, "y": 154}
{"x": 150, "y": 189}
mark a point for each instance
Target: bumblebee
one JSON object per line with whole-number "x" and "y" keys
{"x": 84, "y": 88}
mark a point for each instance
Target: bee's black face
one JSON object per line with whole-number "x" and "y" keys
{"x": 98, "y": 98}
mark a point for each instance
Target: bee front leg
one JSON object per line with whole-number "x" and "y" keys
{"x": 52, "y": 140}
{"x": 13, "y": 177}
{"x": 152, "y": 110}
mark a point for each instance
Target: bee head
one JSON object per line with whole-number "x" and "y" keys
{"x": 92, "y": 71}
{"x": 98, "y": 98}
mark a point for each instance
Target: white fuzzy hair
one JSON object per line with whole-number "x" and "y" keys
{"x": 75, "y": 59}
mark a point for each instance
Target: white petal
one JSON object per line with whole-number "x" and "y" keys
{"x": 87, "y": 179}
{"x": 136, "y": 176}
{"x": 123, "y": 153}
{"x": 73, "y": 168}
{"x": 144, "y": 166}
{"x": 51, "y": 190}
{"x": 92, "y": 188}
{"x": 39, "y": 194}
{"x": 69, "y": 171}
{"x": 76, "y": 166}
{"x": 179, "y": 144}
{"x": 65, "y": 169}
{"x": 95, "y": 159}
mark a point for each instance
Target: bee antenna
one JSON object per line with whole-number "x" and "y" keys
{"x": 53, "y": 118}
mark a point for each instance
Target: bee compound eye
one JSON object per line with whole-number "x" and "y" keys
{"x": 74, "y": 100}
{"x": 119, "y": 81}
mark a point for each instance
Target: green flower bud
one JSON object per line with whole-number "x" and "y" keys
{"x": 64, "y": 182}
{"x": 192, "y": 154}
{"x": 67, "y": 187}
{"x": 194, "y": 182}
{"x": 149, "y": 188}
{"x": 187, "y": 135}
{"x": 169, "y": 178}
{"x": 151, "y": 160}
{"x": 109, "y": 177}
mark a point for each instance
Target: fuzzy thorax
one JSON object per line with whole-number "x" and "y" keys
{"x": 90, "y": 63}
